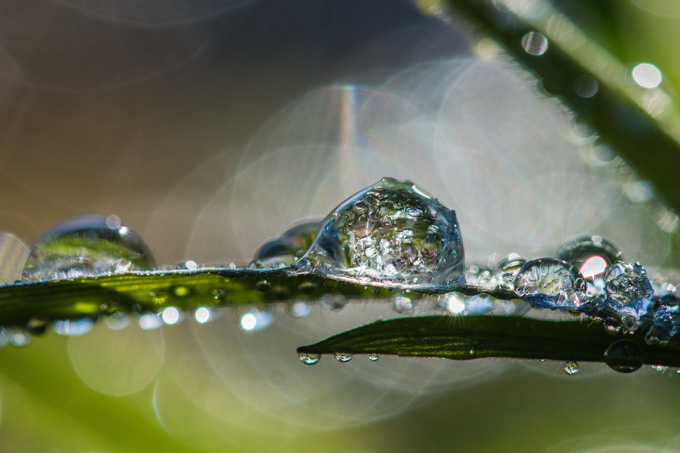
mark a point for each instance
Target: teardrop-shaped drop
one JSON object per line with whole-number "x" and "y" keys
{"x": 390, "y": 233}
{"x": 86, "y": 246}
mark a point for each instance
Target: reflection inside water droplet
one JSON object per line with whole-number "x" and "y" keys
{"x": 390, "y": 233}
{"x": 86, "y": 246}
{"x": 343, "y": 356}
{"x": 571, "y": 368}
{"x": 309, "y": 358}
{"x": 373, "y": 357}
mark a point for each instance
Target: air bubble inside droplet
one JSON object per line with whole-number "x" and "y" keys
{"x": 392, "y": 233}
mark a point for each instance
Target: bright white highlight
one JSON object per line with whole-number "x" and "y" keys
{"x": 171, "y": 315}
{"x": 647, "y": 75}
{"x": 593, "y": 266}
{"x": 248, "y": 322}
{"x": 202, "y": 315}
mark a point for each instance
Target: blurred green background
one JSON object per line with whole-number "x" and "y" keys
{"x": 212, "y": 126}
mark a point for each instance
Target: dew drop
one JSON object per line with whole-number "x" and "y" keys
{"x": 590, "y": 254}
{"x": 571, "y": 368}
{"x": 535, "y": 43}
{"x": 293, "y": 243}
{"x": 373, "y": 357}
{"x": 507, "y": 270}
{"x": 550, "y": 283}
{"x": 659, "y": 368}
{"x": 663, "y": 328}
{"x": 218, "y": 295}
{"x": 37, "y": 325}
{"x": 628, "y": 288}
{"x": 171, "y": 315}
{"x": 309, "y": 358}
{"x": 150, "y": 321}
{"x": 612, "y": 327}
{"x": 343, "y": 357}
{"x": 624, "y": 356}
{"x": 299, "y": 309}
{"x": 72, "y": 327}
{"x": 390, "y": 233}
{"x": 203, "y": 315}
{"x": 86, "y": 246}
{"x": 403, "y": 304}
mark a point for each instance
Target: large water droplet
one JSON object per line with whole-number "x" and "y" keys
{"x": 590, "y": 254}
{"x": 550, "y": 283}
{"x": 571, "y": 368}
{"x": 624, "y": 356}
{"x": 390, "y": 233}
{"x": 309, "y": 358}
{"x": 86, "y": 246}
{"x": 628, "y": 288}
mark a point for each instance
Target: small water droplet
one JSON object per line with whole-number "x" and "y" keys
{"x": 203, "y": 315}
{"x": 36, "y": 325}
{"x": 86, "y": 246}
{"x": 159, "y": 296}
{"x": 507, "y": 270}
{"x": 571, "y": 368}
{"x": 343, "y": 356}
{"x": 535, "y": 43}
{"x": 117, "y": 321}
{"x": 335, "y": 302}
{"x": 263, "y": 285}
{"x": 550, "y": 283}
{"x": 390, "y": 233}
{"x": 627, "y": 285}
{"x": 612, "y": 326}
{"x": 309, "y": 358}
{"x": 659, "y": 368}
{"x": 218, "y": 295}
{"x": 373, "y": 357}
{"x": 18, "y": 337}
{"x": 299, "y": 309}
{"x": 624, "y": 356}
{"x": 307, "y": 287}
{"x": 72, "y": 327}
{"x": 190, "y": 265}
{"x": 150, "y": 321}
{"x": 403, "y": 304}
{"x": 293, "y": 243}
{"x": 171, "y": 315}
{"x": 255, "y": 320}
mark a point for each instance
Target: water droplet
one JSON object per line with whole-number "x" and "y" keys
{"x": 550, "y": 283}
{"x": 571, "y": 368}
{"x": 478, "y": 276}
{"x": 37, "y": 325}
{"x": 612, "y": 326}
{"x": 263, "y": 285}
{"x": 624, "y": 356}
{"x": 335, "y": 302}
{"x": 299, "y": 309}
{"x": 292, "y": 244}
{"x": 13, "y": 254}
{"x": 150, "y": 321}
{"x": 309, "y": 358}
{"x": 507, "y": 270}
{"x": 373, "y": 357}
{"x": 18, "y": 337}
{"x": 628, "y": 289}
{"x": 663, "y": 328}
{"x": 72, "y": 327}
{"x": 307, "y": 287}
{"x": 203, "y": 315}
{"x": 590, "y": 254}
{"x": 659, "y": 368}
{"x": 343, "y": 356}
{"x": 255, "y": 320}
{"x": 190, "y": 265}
{"x": 117, "y": 321}
{"x": 535, "y": 43}
{"x": 218, "y": 295}
{"x": 403, "y": 304}
{"x": 171, "y": 315}
{"x": 390, "y": 233}
{"x": 86, "y": 246}
{"x": 159, "y": 296}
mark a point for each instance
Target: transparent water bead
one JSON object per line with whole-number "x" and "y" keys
{"x": 343, "y": 357}
{"x": 86, "y": 246}
{"x": 591, "y": 255}
{"x": 628, "y": 289}
{"x": 570, "y": 368}
{"x": 309, "y": 358}
{"x": 289, "y": 247}
{"x": 390, "y": 233}
{"x": 550, "y": 283}
{"x": 624, "y": 356}
{"x": 506, "y": 271}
